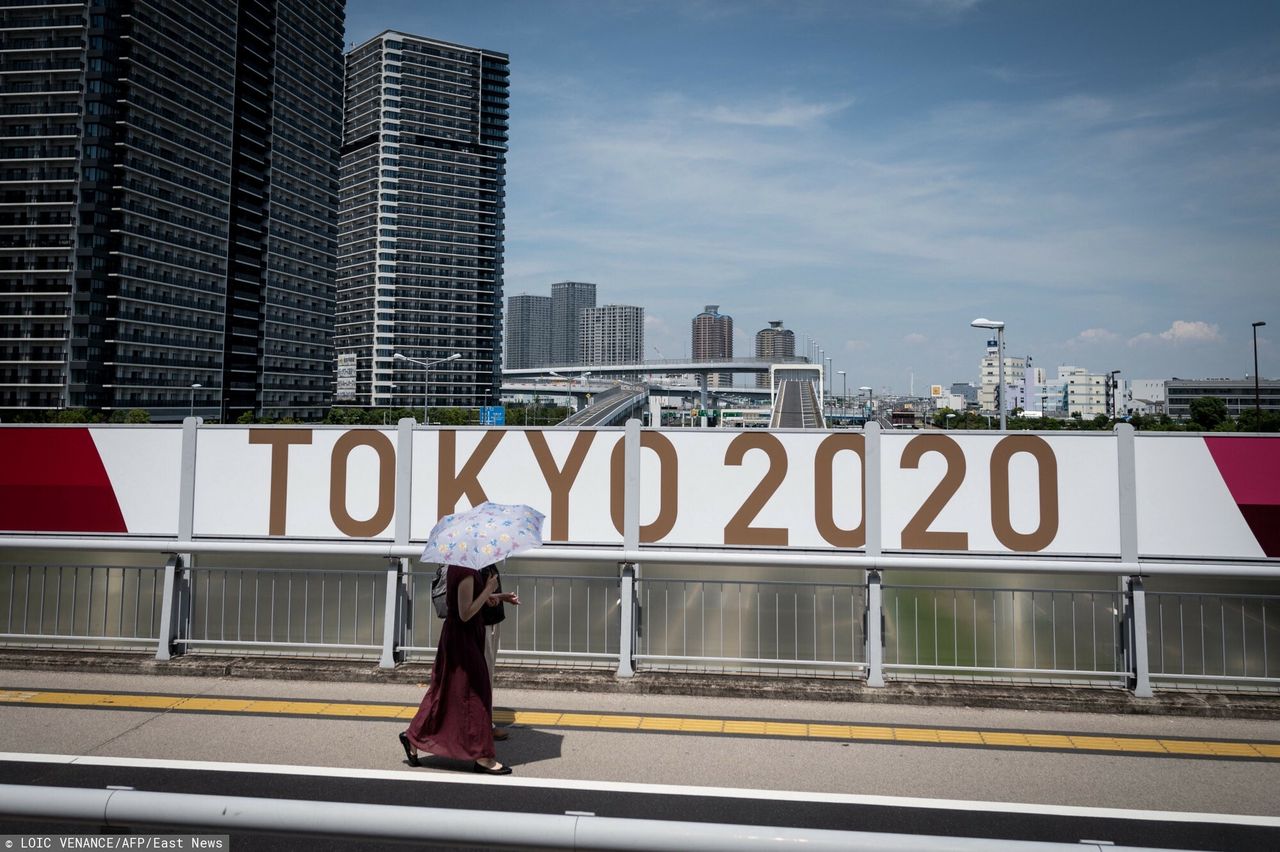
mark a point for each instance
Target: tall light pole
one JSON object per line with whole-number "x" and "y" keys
{"x": 195, "y": 386}
{"x": 1113, "y": 387}
{"x": 870, "y": 407}
{"x": 998, "y": 325}
{"x": 1257, "y": 395}
{"x": 844, "y": 390}
{"x": 426, "y": 380}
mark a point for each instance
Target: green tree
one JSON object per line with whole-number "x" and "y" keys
{"x": 75, "y": 415}
{"x": 1207, "y": 412}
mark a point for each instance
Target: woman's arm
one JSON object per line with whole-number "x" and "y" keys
{"x": 468, "y": 602}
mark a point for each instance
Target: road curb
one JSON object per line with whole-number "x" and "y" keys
{"x": 1242, "y": 705}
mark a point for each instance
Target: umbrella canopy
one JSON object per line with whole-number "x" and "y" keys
{"x": 484, "y": 535}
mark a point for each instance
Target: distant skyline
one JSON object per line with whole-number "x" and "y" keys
{"x": 1104, "y": 177}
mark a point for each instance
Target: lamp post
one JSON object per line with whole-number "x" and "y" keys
{"x": 946, "y": 424}
{"x": 844, "y": 389}
{"x": 870, "y": 407}
{"x": 1112, "y": 396}
{"x": 1257, "y": 395}
{"x": 195, "y": 386}
{"x": 998, "y": 325}
{"x": 426, "y": 380}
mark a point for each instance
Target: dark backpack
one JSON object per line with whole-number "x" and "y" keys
{"x": 440, "y": 591}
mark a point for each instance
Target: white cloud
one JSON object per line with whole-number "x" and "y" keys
{"x": 856, "y": 345}
{"x": 1181, "y": 332}
{"x": 1093, "y": 335}
{"x": 787, "y": 114}
{"x": 915, "y": 339}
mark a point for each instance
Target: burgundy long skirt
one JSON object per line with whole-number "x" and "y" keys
{"x": 455, "y": 718}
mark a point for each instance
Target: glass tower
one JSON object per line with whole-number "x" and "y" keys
{"x": 169, "y": 205}
{"x": 528, "y": 331}
{"x": 420, "y": 250}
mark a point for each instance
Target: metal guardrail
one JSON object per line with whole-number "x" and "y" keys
{"x": 724, "y": 624}
{"x": 1058, "y": 633}
{"x": 243, "y": 609}
{"x": 752, "y": 626}
{"x": 462, "y": 828}
{"x": 1212, "y": 638}
{"x": 561, "y": 619}
{"x": 103, "y": 605}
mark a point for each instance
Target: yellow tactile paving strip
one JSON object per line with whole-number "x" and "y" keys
{"x": 1006, "y": 739}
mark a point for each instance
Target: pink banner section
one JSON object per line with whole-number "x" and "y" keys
{"x": 1251, "y": 469}
{"x": 53, "y": 480}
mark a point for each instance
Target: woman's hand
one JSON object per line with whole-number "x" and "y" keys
{"x": 490, "y": 585}
{"x": 506, "y": 597}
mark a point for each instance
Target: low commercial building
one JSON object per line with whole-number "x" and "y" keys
{"x": 1238, "y": 394}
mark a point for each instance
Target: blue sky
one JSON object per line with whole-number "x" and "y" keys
{"x": 1102, "y": 175}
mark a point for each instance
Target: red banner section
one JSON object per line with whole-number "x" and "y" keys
{"x": 53, "y": 480}
{"x": 1251, "y": 469}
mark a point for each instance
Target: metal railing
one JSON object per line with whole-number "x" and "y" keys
{"x": 76, "y": 605}
{"x": 261, "y": 609}
{"x": 756, "y": 625}
{"x": 563, "y": 619}
{"x": 720, "y": 621}
{"x": 1059, "y": 633}
{"x": 1207, "y": 638}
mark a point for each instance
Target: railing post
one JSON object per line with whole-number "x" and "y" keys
{"x": 627, "y": 616}
{"x": 874, "y": 618}
{"x": 1136, "y": 635}
{"x": 629, "y": 572}
{"x": 395, "y": 616}
{"x": 175, "y": 595}
{"x": 177, "y": 574}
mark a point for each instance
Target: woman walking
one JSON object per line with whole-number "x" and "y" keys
{"x": 455, "y": 718}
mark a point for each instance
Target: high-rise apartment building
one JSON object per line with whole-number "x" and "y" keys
{"x": 713, "y": 341}
{"x": 612, "y": 334}
{"x": 420, "y": 250}
{"x": 774, "y": 342}
{"x": 568, "y": 300}
{"x": 1014, "y": 372}
{"x": 168, "y": 205}
{"x": 527, "y": 330}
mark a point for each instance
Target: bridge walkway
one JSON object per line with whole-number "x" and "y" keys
{"x": 1163, "y": 781}
{"x": 797, "y": 406}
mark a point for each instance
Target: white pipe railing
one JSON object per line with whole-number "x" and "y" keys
{"x": 1254, "y": 569}
{"x": 464, "y": 828}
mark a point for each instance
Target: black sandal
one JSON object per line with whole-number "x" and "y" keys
{"x": 408, "y": 750}
{"x": 501, "y": 769}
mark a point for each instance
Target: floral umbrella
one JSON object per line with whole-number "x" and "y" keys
{"x": 484, "y": 535}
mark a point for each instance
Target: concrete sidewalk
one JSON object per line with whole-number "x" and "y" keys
{"x": 594, "y": 756}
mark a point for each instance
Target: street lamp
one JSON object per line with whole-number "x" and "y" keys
{"x": 844, "y": 390}
{"x": 946, "y": 424}
{"x": 195, "y": 386}
{"x": 1113, "y": 397}
{"x": 426, "y": 381}
{"x": 983, "y": 322}
{"x": 1257, "y": 396}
